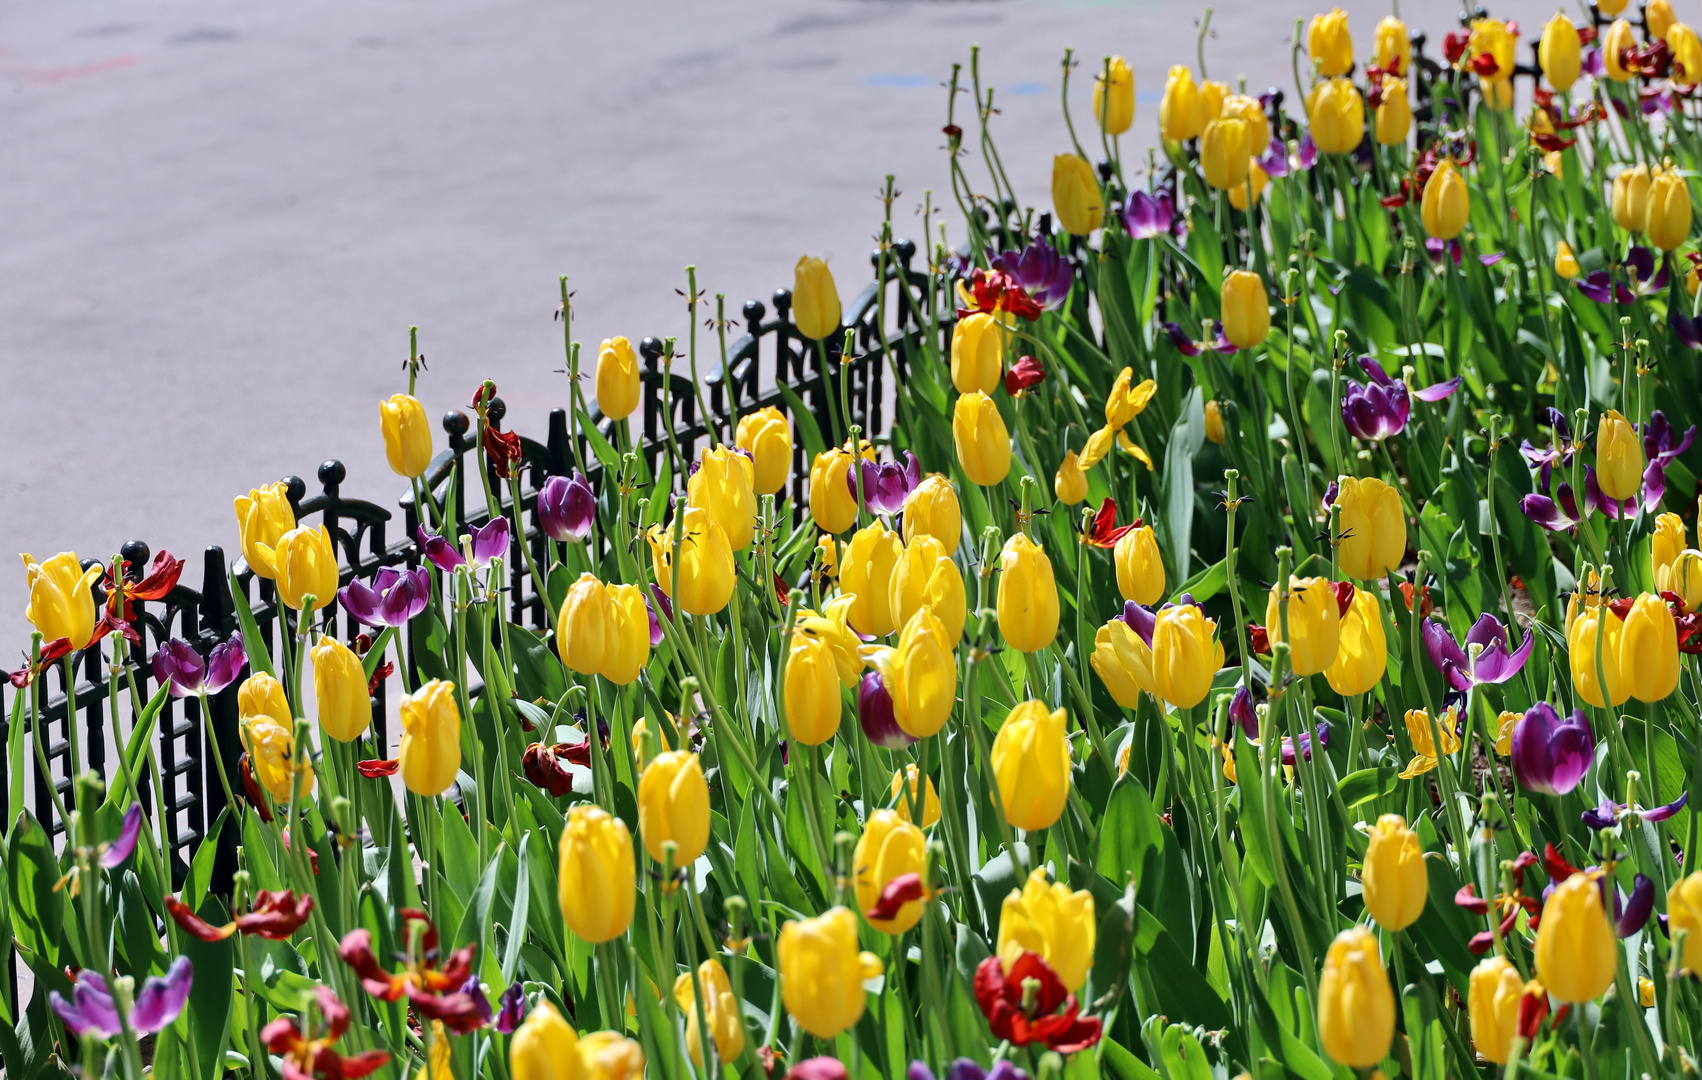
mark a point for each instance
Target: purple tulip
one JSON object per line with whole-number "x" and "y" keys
{"x": 1042, "y": 272}
{"x": 1635, "y": 912}
{"x": 1557, "y": 514}
{"x": 1494, "y": 663}
{"x": 490, "y": 542}
{"x": 1436, "y": 248}
{"x": 1241, "y": 711}
{"x": 566, "y": 508}
{"x": 1275, "y": 160}
{"x": 512, "y": 1009}
{"x": 1140, "y": 619}
{"x": 885, "y": 487}
{"x": 1551, "y": 755}
{"x": 1661, "y": 446}
{"x": 1642, "y": 278}
{"x": 1148, "y": 216}
{"x": 1381, "y": 408}
{"x": 818, "y": 1068}
{"x": 438, "y": 550}
{"x": 477, "y": 993}
{"x": 656, "y": 602}
{"x": 91, "y": 1010}
{"x": 1308, "y": 153}
{"x": 178, "y": 665}
{"x": 393, "y": 598}
{"x": 1591, "y": 63}
{"x": 874, "y": 712}
{"x": 129, "y": 831}
{"x": 1189, "y": 347}
{"x": 1599, "y": 286}
{"x": 968, "y": 1069}
{"x": 1608, "y": 813}
{"x": 1320, "y": 735}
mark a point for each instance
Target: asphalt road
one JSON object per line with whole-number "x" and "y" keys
{"x": 220, "y": 218}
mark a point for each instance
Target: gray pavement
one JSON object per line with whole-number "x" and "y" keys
{"x": 220, "y": 218}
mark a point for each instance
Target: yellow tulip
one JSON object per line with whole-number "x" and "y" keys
{"x": 1124, "y": 662}
{"x": 62, "y": 601}
{"x": 1667, "y": 224}
{"x": 1631, "y": 197}
{"x": 340, "y": 690}
{"x": 407, "y": 435}
{"x": 1070, "y": 485}
{"x": 1225, "y": 152}
{"x": 865, "y": 572}
{"x": 1582, "y": 659}
{"x": 1246, "y": 309}
{"x": 815, "y": 299}
{"x": 1373, "y": 527}
{"x": 724, "y": 485}
{"x": 932, "y": 510}
{"x": 1140, "y": 568}
{"x": 1565, "y": 263}
{"x": 1031, "y": 764}
{"x": 1250, "y": 112}
{"x": 1212, "y": 96}
{"x": 1126, "y": 401}
{"x": 833, "y": 499}
{"x": 812, "y": 690}
{"x": 1394, "y": 113}
{"x": 1424, "y": 744}
{"x": 1493, "y": 1005}
{"x": 596, "y": 874}
{"x": 1356, "y": 1005}
{"x": 263, "y": 516}
{"x": 706, "y": 564}
{"x": 1257, "y": 178}
{"x": 982, "y": 440}
{"x": 1685, "y": 579}
{"x": 438, "y": 1068}
{"x": 1558, "y": 53}
{"x": 1686, "y": 54}
{"x": 430, "y": 752}
{"x": 1493, "y": 36}
{"x": 271, "y": 756}
{"x": 1363, "y": 651}
{"x": 767, "y": 438}
{"x": 627, "y": 647}
{"x": 926, "y": 576}
{"x": 921, "y": 794}
{"x": 262, "y": 695}
{"x": 920, "y": 675}
{"x": 673, "y": 804}
{"x": 545, "y": 1047}
{"x": 1180, "y": 113}
{"x": 1684, "y": 913}
{"x": 1391, "y": 47}
{"x": 1115, "y": 110}
{"x": 1214, "y": 419}
{"x": 1658, "y": 18}
{"x": 889, "y": 847}
{"x": 618, "y": 386}
{"x": 1394, "y": 879}
{"x": 609, "y": 1055}
{"x": 833, "y": 627}
{"x": 1052, "y": 921}
{"x": 1314, "y": 623}
{"x": 1028, "y": 595}
{"x": 1648, "y": 650}
{"x": 1336, "y": 112}
{"x": 1446, "y": 204}
{"x": 827, "y": 556}
{"x": 306, "y": 565}
{"x": 1614, "y": 43}
{"x": 822, "y": 972}
{"x": 1611, "y": 8}
{"x": 1619, "y": 457}
{"x": 1186, "y": 655}
{"x": 720, "y": 1010}
{"x": 1576, "y": 952}
{"x": 978, "y": 352}
{"x": 585, "y": 625}
{"x": 1329, "y": 43}
{"x": 1665, "y": 544}
{"x": 1076, "y": 198}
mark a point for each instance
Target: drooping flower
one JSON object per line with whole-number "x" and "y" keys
{"x": 432, "y": 987}
{"x": 1380, "y": 408}
{"x": 313, "y": 1055}
{"x": 179, "y": 665}
{"x": 394, "y": 597}
{"x": 92, "y": 1010}
{"x": 1493, "y": 664}
{"x": 1029, "y": 1004}
{"x": 275, "y": 916}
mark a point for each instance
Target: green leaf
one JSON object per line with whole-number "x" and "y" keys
{"x": 38, "y": 907}
{"x": 518, "y": 913}
{"x": 1359, "y": 788}
{"x": 209, "y": 1010}
{"x": 539, "y": 672}
{"x": 805, "y": 420}
{"x": 252, "y": 641}
{"x": 1131, "y": 835}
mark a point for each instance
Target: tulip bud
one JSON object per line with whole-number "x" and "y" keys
{"x": 407, "y": 435}
{"x": 1394, "y": 113}
{"x": 627, "y": 647}
{"x": 1314, "y": 623}
{"x": 1576, "y": 952}
{"x": 1558, "y": 53}
{"x": 767, "y": 438}
{"x": 1667, "y": 221}
{"x": 1684, "y": 914}
{"x": 1115, "y": 110}
{"x": 724, "y": 485}
{"x": 1028, "y": 595}
{"x": 833, "y": 499}
{"x": 1631, "y": 197}
{"x": 1668, "y": 540}
{"x": 597, "y": 875}
{"x": 617, "y": 383}
{"x": 982, "y": 440}
{"x": 931, "y": 509}
{"x": 920, "y": 674}
{"x": 1565, "y": 263}
{"x": 1648, "y": 650}
{"x": 1257, "y": 179}
{"x": 340, "y": 690}
{"x": 1493, "y": 1004}
{"x": 815, "y": 299}
{"x": 1391, "y": 47}
{"x": 1373, "y": 527}
{"x": 1446, "y": 204}
{"x": 921, "y": 795}
{"x": 812, "y": 690}
{"x": 889, "y": 847}
{"x": 1140, "y": 568}
{"x": 263, "y": 516}
{"x": 1619, "y": 457}
{"x": 1356, "y": 1005}
{"x": 706, "y": 564}
{"x": 978, "y": 352}
{"x": 1329, "y": 44}
{"x": 1336, "y": 112}
{"x": 1658, "y": 18}
{"x": 1124, "y": 663}
{"x": 306, "y": 565}
{"x": 430, "y": 752}
{"x": 1394, "y": 879}
{"x": 822, "y": 973}
{"x": 1582, "y": 658}
{"x": 544, "y": 1047}
{"x": 1185, "y": 655}
{"x": 1214, "y": 419}
{"x": 1031, "y": 763}
{"x": 62, "y": 601}
{"x": 567, "y": 508}
{"x": 865, "y": 572}
{"x": 1225, "y": 153}
{"x": 584, "y": 625}
{"x": 1246, "y": 309}
{"x": 1180, "y": 115}
{"x": 720, "y": 1008}
{"x": 1685, "y": 579}
{"x": 609, "y": 1055}
{"x": 925, "y": 575}
{"x": 1076, "y": 197}
{"x": 1614, "y": 43}
{"x": 1363, "y": 651}
{"x": 1052, "y": 921}
{"x": 673, "y": 804}
{"x": 1070, "y": 484}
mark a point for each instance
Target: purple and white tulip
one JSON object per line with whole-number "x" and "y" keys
{"x": 393, "y": 598}
{"x": 1381, "y": 408}
{"x": 566, "y": 508}
{"x": 178, "y": 665}
{"x": 1607, "y": 813}
{"x": 1148, "y": 216}
{"x": 885, "y": 487}
{"x": 874, "y": 713}
{"x": 1493, "y": 665}
{"x": 92, "y": 1010}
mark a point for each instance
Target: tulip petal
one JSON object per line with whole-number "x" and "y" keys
{"x": 1637, "y": 909}
{"x": 160, "y": 1001}
{"x": 1440, "y": 390}
{"x": 128, "y": 833}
